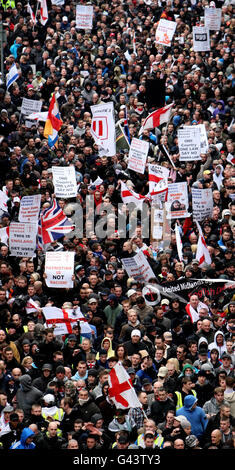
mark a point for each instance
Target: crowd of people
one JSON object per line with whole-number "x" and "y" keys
{"x": 54, "y": 390}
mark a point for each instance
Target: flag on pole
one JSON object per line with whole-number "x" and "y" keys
{"x": 43, "y": 12}
{"x": 230, "y": 158}
{"x": 128, "y": 196}
{"x": 126, "y": 127}
{"x": 53, "y": 122}
{"x": 121, "y": 139}
{"x": 134, "y": 43}
{"x": 121, "y": 391}
{"x": 179, "y": 242}
{"x": 12, "y": 75}
{"x": 53, "y": 224}
{"x": 202, "y": 254}
{"x": 32, "y": 15}
{"x": 156, "y": 118}
{"x": 31, "y": 306}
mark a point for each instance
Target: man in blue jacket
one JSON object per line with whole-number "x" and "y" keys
{"x": 26, "y": 440}
{"x": 195, "y": 415}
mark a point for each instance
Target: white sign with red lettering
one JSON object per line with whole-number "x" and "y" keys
{"x": 138, "y": 155}
{"x": 165, "y": 32}
{"x": 84, "y": 16}
{"x": 22, "y": 239}
{"x": 59, "y": 269}
{"x": 29, "y": 208}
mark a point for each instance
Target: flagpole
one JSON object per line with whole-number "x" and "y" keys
{"x": 36, "y": 13}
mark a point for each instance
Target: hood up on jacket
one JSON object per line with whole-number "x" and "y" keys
{"x": 26, "y": 382}
{"x": 27, "y": 432}
{"x": 189, "y": 401}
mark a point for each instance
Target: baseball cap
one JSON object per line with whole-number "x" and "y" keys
{"x": 163, "y": 371}
{"x": 47, "y": 367}
{"x": 226, "y": 356}
{"x": 16, "y": 199}
{"x": 72, "y": 337}
{"x": 165, "y": 302}
{"x": 65, "y": 18}
{"x": 8, "y": 409}
{"x": 146, "y": 382}
{"x": 130, "y": 370}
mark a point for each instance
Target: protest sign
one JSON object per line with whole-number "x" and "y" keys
{"x": 177, "y": 201}
{"x": 59, "y": 269}
{"x": 103, "y": 128}
{"x": 138, "y": 267}
{"x": 30, "y": 106}
{"x": 213, "y": 18}
{"x": 22, "y": 239}
{"x": 29, "y": 208}
{"x": 189, "y": 143}
{"x": 202, "y": 203}
{"x": 201, "y": 39}
{"x": 3, "y": 201}
{"x": 64, "y": 181}
{"x": 203, "y": 138}
{"x": 138, "y": 155}
{"x": 84, "y": 16}
{"x": 165, "y": 32}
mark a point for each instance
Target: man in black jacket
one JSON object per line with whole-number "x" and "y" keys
{"x": 160, "y": 407}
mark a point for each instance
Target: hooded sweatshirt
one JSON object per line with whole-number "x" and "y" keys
{"x": 213, "y": 345}
{"x": 110, "y": 351}
{"x": 27, "y": 432}
{"x": 196, "y": 416}
{"x": 27, "y": 394}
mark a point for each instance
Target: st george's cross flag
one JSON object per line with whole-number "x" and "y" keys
{"x": 43, "y": 12}
{"x": 63, "y": 320}
{"x": 31, "y": 306}
{"x": 156, "y": 118}
{"x": 121, "y": 391}
{"x": 202, "y": 254}
{"x": 128, "y": 196}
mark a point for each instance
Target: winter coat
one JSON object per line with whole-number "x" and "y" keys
{"x": 196, "y": 416}
{"x": 27, "y": 395}
{"x": 212, "y": 407}
{"x": 87, "y": 410}
{"x": 213, "y": 345}
{"x": 160, "y": 408}
{"x": 27, "y": 432}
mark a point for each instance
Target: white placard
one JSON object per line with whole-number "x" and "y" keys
{"x": 202, "y": 203}
{"x": 201, "y": 39}
{"x": 177, "y": 201}
{"x": 165, "y": 32}
{"x": 138, "y": 155}
{"x": 30, "y": 106}
{"x": 64, "y": 180}
{"x": 213, "y": 18}
{"x": 84, "y": 16}
{"x": 203, "y": 138}
{"x": 29, "y": 208}
{"x": 103, "y": 128}
{"x": 22, "y": 239}
{"x": 138, "y": 267}
{"x": 189, "y": 143}
{"x": 59, "y": 269}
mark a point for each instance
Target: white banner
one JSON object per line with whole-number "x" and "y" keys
{"x": 189, "y": 143}
{"x": 138, "y": 267}
{"x": 202, "y": 203}
{"x": 165, "y": 32}
{"x": 103, "y": 128}
{"x": 22, "y": 239}
{"x": 138, "y": 155}
{"x": 59, "y": 269}
{"x": 84, "y": 16}
{"x": 213, "y": 18}
{"x": 30, "y": 106}
{"x": 201, "y": 39}
{"x": 64, "y": 180}
{"x": 29, "y": 208}
{"x": 177, "y": 201}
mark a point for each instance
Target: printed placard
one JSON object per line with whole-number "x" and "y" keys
{"x": 29, "y": 208}
{"x": 202, "y": 203}
{"x": 64, "y": 180}
{"x": 22, "y": 239}
{"x": 165, "y": 32}
{"x": 189, "y": 143}
{"x": 84, "y": 16}
{"x": 59, "y": 269}
{"x": 138, "y": 155}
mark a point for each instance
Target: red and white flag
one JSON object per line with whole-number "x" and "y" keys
{"x": 156, "y": 118}
{"x": 4, "y": 235}
{"x": 32, "y": 15}
{"x": 202, "y": 254}
{"x": 179, "y": 244}
{"x": 231, "y": 159}
{"x": 31, "y": 306}
{"x": 128, "y": 195}
{"x": 121, "y": 391}
{"x": 43, "y": 12}
{"x": 63, "y": 320}
{"x": 158, "y": 180}
{"x": 194, "y": 314}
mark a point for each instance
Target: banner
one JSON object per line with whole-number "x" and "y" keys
{"x": 138, "y": 267}
{"x": 103, "y": 128}
{"x": 202, "y": 203}
{"x": 189, "y": 143}
{"x": 138, "y": 155}
{"x": 29, "y": 208}
{"x": 22, "y": 240}
{"x": 177, "y": 201}
{"x": 59, "y": 269}
{"x": 165, "y": 32}
{"x": 182, "y": 289}
{"x": 213, "y": 18}
{"x": 84, "y": 16}
{"x": 64, "y": 180}
{"x": 201, "y": 39}
{"x": 30, "y": 106}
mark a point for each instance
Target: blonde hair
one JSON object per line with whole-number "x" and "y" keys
{"x": 174, "y": 361}
{"x": 26, "y": 360}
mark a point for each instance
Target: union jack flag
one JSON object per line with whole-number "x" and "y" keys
{"x": 53, "y": 224}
